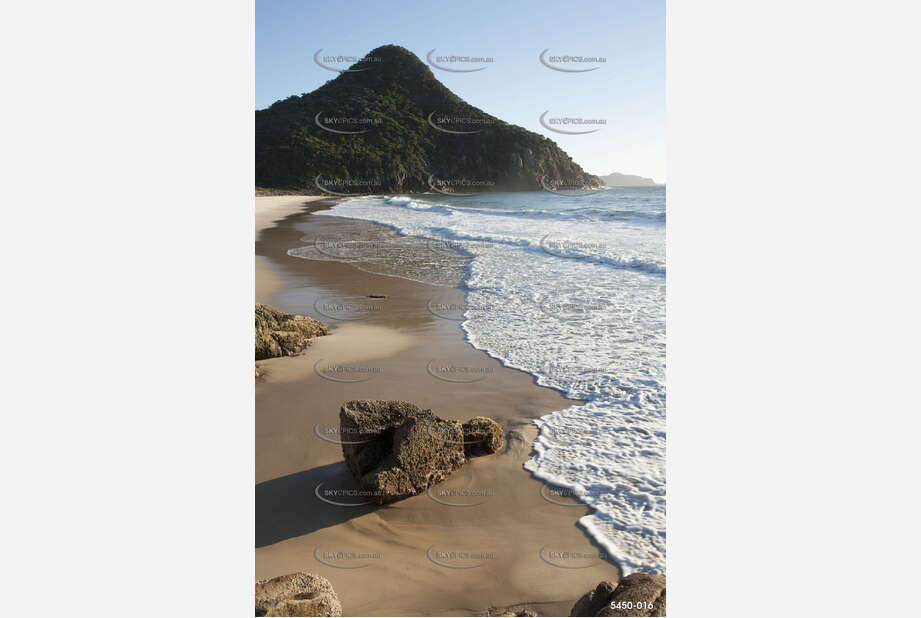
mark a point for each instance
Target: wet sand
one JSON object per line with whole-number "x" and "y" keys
{"x": 268, "y": 211}
{"x": 403, "y": 558}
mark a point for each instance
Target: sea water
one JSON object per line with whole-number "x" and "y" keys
{"x": 569, "y": 287}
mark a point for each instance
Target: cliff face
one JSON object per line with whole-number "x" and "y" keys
{"x": 387, "y": 125}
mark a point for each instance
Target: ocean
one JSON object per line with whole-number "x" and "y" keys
{"x": 571, "y": 289}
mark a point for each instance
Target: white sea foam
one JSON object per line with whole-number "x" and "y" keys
{"x": 573, "y": 292}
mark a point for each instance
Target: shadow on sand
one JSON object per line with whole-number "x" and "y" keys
{"x": 289, "y": 506}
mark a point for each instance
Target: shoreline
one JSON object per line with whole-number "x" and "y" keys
{"x": 268, "y": 211}
{"x": 514, "y": 526}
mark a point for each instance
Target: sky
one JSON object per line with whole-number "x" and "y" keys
{"x": 627, "y": 91}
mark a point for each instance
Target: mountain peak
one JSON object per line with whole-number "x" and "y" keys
{"x": 392, "y": 52}
{"x": 388, "y": 122}
{"x": 389, "y": 63}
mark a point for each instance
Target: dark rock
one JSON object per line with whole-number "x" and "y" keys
{"x": 366, "y": 426}
{"x": 593, "y": 601}
{"x": 396, "y": 449}
{"x": 283, "y": 334}
{"x": 637, "y": 594}
{"x": 297, "y": 594}
{"x": 638, "y": 589}
{"x": 482, "y": 436}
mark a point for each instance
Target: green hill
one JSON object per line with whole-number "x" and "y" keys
{"x": 377, "y": 136}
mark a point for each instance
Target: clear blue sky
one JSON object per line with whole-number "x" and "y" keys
{"x": 628, "y": 91}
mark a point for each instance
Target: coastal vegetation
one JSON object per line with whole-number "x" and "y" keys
{"x": 388, "y": 125}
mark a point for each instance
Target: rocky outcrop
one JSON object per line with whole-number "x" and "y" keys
{"x": 637, "y": 594}
{"x": 284, "y": 334}
{"x": 482, "y": 436}
{"x": 297, "y": 594}
{"x": 397, "y": 449}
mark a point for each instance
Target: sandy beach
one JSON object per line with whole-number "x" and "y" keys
{"x": 380, "y": 559}
{"x": 270, "y": 210}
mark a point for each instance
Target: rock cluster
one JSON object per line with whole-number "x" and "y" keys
{"x": 297, "y": 594}
{"x": 396, "y": 449}
{"x": 283, "y": 334}
{"x": 637, "y": 594}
